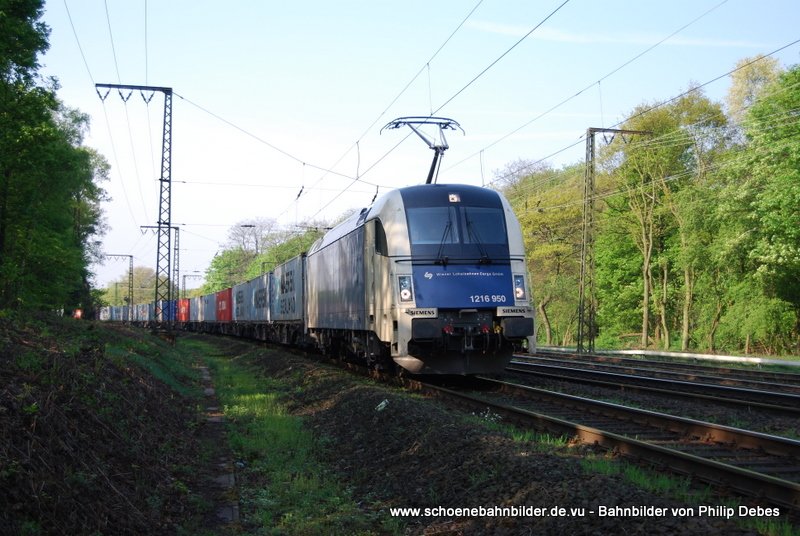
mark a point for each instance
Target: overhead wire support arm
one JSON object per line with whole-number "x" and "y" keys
{"x": 119, "y": 256}
{"x": 439, "y": 147}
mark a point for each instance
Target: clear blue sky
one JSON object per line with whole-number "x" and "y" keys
{"x": 267, "y": 92}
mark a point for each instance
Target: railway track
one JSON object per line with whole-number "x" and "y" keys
{"x": 737, "y": 377}
{"x": 748, "y": 463}
{"x": 683, "y": 385}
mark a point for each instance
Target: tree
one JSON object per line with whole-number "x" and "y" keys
{"x": 749, "y": 79}
{"x": 773, "y": 157}
{"x": 227, "y": 268}
{"x": 547, "y": 204}
{"x": 290, "y": 245}
{"x": 644, "y": 168}
{"x": 144, "y": 284}
{"x": 22, "y": 38}
{"x": 255, "y": 235}
{"x": 49, "y": 184}
{"x": 50, "y": 199}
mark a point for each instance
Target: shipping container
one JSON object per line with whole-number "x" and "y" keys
{"x": 196, "y": 309}
{"x": 287, "y": 291}
{"x": 251, "y": 300}
{"x": 241, "y": 296}
{"x": 183, "y": 310}
{"x": 209, "y": 311}
{"x": 224, "y": 306}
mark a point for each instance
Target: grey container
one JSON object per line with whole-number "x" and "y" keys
{"x": 287, "y": 291}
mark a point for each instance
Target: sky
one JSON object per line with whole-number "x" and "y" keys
{"x": 271, "y": 99}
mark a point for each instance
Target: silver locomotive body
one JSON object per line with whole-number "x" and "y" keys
{"x": 432, "y": 277}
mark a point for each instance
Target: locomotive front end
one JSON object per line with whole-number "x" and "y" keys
{"x": 463, "y": 302}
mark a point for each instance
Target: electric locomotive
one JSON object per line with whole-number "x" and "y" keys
{"x": 432, "y": 277}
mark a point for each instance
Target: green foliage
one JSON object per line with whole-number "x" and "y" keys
{"x": 227, "y": 269}
{"x": 773, "y": 132}
{"x": 22, "y": 38}
{"x": 233, "y": 266}
{"x": 288, "y": 247}
{"x": 619, "y": 289}
{"x": 545, "y": 203}
{"x": 697, "y": 239}
{"x": 49, "y": 195}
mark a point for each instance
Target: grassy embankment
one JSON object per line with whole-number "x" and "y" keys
{"x": 102, "y": 433}
{"x": 283, "y": 486}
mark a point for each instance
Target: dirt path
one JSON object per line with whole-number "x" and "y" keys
{"x": 220, "y": 476}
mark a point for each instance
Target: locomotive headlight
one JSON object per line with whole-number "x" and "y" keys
{"x": 520, "y": 292}
{"x": 406, "y": 289}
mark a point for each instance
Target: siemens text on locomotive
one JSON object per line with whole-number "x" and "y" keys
{"x": 432, "y": 278}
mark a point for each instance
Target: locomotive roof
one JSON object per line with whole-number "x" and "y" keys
{"x": 421, "y": 195}
{"x": 426, "y": 195}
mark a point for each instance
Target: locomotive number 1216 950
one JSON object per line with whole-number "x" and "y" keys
{"x": 487, "y": 298}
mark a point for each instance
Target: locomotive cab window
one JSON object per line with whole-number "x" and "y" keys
{"x": 433, "y": 225}
{"x": 450, "y": 225}
{"x": 381, "y": 246}
{"x": 483, "y": 225}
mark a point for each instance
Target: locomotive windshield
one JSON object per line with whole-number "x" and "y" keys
{"x": 456, "y": 225}
{"x": 433, "y": 225}
{"x": 483, "y": 225}
{"x": 454, "y": 233}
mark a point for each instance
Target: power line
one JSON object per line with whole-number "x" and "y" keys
{"x": 113, "y": 48}
{"x": 105, "y": 114}
{"x": 356, "y": 145}
{"x": 577, "y": 94}
{"x": 479, "y": 75}
{"x": 503, "y": 55}
{"x": 127, "y": 115}
{"x": 675, "y": 138}
{"x": 80, "y": 48}
{"x": 268, "y": 144}
{"x": 650, "y": 109}
{"x": 260, "y": 185}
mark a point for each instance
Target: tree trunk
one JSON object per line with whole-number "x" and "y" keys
{"x": 646, "y": 282}
{"x": 567, "y": 339}
{"x": 688, "y": 297}
{"x": 548, "y": 330}
{"x": 663, "y": 314}
{"x": 714, "y": 325}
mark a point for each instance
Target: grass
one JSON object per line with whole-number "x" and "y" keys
{"x": 172, "y": 365}
{"x": 533, "y": 440}
{"x": 283, "y": 487}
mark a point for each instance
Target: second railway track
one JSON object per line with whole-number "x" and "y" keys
{"x": 748, "y": 463}
{"x": 787, "y": 403}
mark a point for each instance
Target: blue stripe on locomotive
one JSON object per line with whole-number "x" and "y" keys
{"x": 463, "y": 286}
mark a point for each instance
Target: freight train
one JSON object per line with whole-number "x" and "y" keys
{"x": 431, "y": 278}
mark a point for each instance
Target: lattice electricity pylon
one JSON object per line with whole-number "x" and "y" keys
{"x": 115, "y": 256}
{"x": 438, "y": 147}
{"x": 587, "y": 299}
{"x": 163, "y": 290}
{"x": 177, "y": 255}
